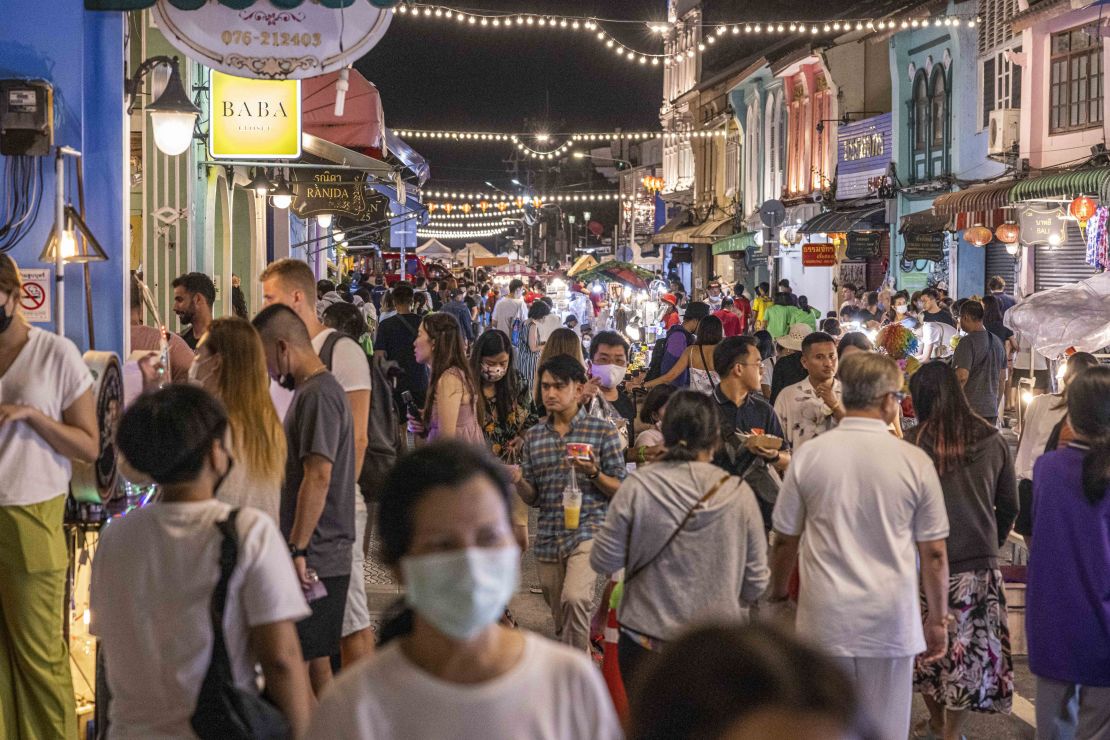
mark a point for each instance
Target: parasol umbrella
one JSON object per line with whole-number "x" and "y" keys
{"x": 625, "y": 273}
{"x": 515, "y": 269}
{"x": 1074, "y": 315}
{"x": 434, "y": 248}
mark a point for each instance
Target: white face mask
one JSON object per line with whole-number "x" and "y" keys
{"x": 900, "y": 309}
{"x": 608, "y": 376}
{"x": 462, "y": 592}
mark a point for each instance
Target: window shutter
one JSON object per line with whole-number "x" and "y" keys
{"x": 1015, "y": 97}
{"x": 988, "y": 89}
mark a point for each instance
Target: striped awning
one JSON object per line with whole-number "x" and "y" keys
{"x": 1064, "y": 185}
{"x": 979, "y": 198}
{"x": 711, "y": 230}
{"x": 924, "y": 222}
{"x": 736, "y": 243}
{"x": 867, "y": 218}
{"x": 235, "y": 4}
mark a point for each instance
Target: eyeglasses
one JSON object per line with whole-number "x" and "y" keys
{"x": 899, "y": 396}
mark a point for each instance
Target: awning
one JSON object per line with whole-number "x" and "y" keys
{"x": 1064, "y": 185}
{"x": 736, "y": 243}
{"x": 408, "y": 156}
{"x": 666, "y": 234}
{"x": 359, "y": 128}
{"x": 330, "y": 152}
{"x": 924, "y": 222}
{"x": 196, "y": 4}
{"x": 711, "y": 230}
{"x": 979, "y": 198}
{"x": 868, "y": 218}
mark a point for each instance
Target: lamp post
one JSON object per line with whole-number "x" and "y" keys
{"x": 172, "y": 115}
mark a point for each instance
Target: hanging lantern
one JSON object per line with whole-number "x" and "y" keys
{"x": 502, "y": 207}
{"x": 536, "y": 202}
{"x": 1012, "y": 248}
{"x": 484, "y": 205}
{"x": 432, "y": 207}
{"x": 1083, "y": 209}
{"x": 1007, "y": 233}
{"x": 448, "y": 207}
{"x": 519, "y": 202}
{"x": 978, "y": 235}
{"x": 466, "y": 208}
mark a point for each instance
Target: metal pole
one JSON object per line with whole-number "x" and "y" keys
{"x": 59, "y": 230}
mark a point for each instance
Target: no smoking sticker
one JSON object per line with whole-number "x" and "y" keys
{"x": 35, "y": 297}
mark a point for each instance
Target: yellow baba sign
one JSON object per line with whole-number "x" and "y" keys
{"x": 254, "y": 118}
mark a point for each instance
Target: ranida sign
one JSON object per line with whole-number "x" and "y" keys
{"x": 254, "y": 119}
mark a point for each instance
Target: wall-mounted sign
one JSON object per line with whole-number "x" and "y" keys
{"x": 926, "y": 246}
{"x": 1042, "y": 226}
{"x": 864, "y": 152}
{"x": 270, "y": 42}
{"x": 254, "y": 118}
{"x": 35, "y": 296}
{"x": 818, "y": 255}
{"x": 864, "y": 244}
{"x": 338, "y": 192}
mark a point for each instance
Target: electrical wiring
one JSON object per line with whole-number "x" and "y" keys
{"x": 22, "y": 199}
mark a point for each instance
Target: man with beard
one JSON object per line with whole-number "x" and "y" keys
{"x": 194, "y": 293}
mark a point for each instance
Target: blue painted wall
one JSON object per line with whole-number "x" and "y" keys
{"x": 81, "y": 54}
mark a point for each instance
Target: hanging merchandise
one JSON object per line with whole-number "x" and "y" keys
{"x": 1097, "y": 256}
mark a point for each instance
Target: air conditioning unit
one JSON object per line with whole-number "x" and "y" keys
{"x": 1003, "y": 130}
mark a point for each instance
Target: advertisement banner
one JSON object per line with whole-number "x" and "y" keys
{"x": 254, "y": 118}
{"x": 863, "y": 154}
{"x": 818, "y": 255}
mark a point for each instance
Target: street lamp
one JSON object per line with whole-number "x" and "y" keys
{"x": 173, "y": 115}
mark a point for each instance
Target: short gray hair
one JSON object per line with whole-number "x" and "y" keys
{"x": 865, "y": 377}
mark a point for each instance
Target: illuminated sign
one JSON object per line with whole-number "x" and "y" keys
{"x": 863, "y": 156}
{"x": 254, "y": 118}
{"x": 818, "y": 255}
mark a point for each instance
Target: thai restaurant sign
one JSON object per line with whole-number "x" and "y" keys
{"x": 267, "y": 41}
{"x": 254, "y": 118}
{"x": 863, "y": 155}
{"x": 1042, "y": 226}
{"x": 337, "y": 192}
{"x": 818, "y": 255}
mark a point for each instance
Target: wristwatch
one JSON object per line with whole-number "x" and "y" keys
{"x": 297, "y": 552}
{"x": 597, "y": 472}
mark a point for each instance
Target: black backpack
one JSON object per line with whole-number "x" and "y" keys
{"x": 383, "y": 441}
{"x": 660, "y": 349}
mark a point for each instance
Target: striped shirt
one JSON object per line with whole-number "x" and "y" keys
{"x": 545, "y": 467}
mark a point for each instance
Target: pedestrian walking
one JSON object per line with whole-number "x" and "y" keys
{"x": 458, "y": 308}
{"x": 696, "y": 362}
{"x": 649, "y": 445}
{"x": 788, "y": 368}
{"x": 980, "y": 362}
{"x": 1067, "y": 611}
{"x": 752, "y": 681}
{"x": 561, "y": 342}
{"x": 980, "y": 496}
{"x": 153, "y": 616}
{"x": 451, "y": 409}
{"x": 568, "y": 442}
{"x": 448, "y": 669}
{"x": 47, "y": 420}
{"x": 716, "y": 513}
{"x": 231, "y": 365}
{"x": 857, "y": 509}
{"x": 395, "y": 342}
{"x": 194, "y": 295}
{"x": 529, "y": 349}
{"x": 812, "y": 406}
{"x": 318, "y": 496}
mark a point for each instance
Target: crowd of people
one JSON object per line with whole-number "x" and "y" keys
{"x": 785, "y": 554}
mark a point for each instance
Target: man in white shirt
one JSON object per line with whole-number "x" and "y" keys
{"x": 812, "y": 407}
{"x": 510, "y": 308}
{"x": 291, "y": 283}
{"x": 856, "y": 509}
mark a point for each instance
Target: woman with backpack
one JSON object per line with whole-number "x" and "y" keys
{"x": 717, "y": 513}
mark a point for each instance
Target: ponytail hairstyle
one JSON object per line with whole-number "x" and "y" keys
{"x": 691, "y": 425}
{"x": 449, "y": 463}
{"x": 1089, "y": 416}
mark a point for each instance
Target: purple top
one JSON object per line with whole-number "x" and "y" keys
{"x": 1068, "y": 598}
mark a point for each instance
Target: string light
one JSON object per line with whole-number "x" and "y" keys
{"x": 460, "y": 200}
{"x": 602, "y": 136}
{"x": 713, "y": 32}
{"x": 437, "y": 216}
{"x": 460, "y": 234}
{"x": 537, "y": 154}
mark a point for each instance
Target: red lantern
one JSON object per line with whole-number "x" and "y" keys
{"x": 1007, "y": 233}
{"x": 978, "y": 235}
{"x": 1083, "y": 208}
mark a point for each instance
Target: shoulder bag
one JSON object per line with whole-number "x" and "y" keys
{"x": 224, "y": 711}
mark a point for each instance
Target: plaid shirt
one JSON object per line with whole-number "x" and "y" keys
{"x": 546, "y": 468}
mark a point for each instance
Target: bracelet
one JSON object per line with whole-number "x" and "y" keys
{"x": 776, "y": 458}
{"x": 297, "y": 552}
{"x": 595, "y": 475}
{"x": 640, "y": 454}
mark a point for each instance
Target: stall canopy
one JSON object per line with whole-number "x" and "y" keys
{"x": 866, "y": 218}
{"x": 625, "y": 273}
{"x": 924, "y": 222}
{"x": 1074, "y": 315}
{"x": 407, "y": 156}
{"x": 515, "y": 269}
{"x": 434, "y": 248}
{"x": 362, "y": 125}
{"x": 473, "y": 250}
{"x": 1064, "y": 184}
{"x": 585, "y": 262}
{"x": 737, "y": 243}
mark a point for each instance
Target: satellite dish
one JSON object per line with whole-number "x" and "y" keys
{"x": 772, "y": 213}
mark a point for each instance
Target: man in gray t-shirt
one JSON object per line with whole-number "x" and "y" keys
{"x": 980, "y": 361}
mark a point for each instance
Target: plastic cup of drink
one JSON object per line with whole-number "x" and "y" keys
{"x": 572, "y": 508}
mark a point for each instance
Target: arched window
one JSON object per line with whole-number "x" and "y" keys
{"x": 938, "y": 101}
{"x": 920, "y": 112}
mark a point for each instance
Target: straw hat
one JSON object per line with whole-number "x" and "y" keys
{"x": 793, "y": 338}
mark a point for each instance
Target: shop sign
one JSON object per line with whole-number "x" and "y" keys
{"x": 338, "y": 192}
{"x": 1042, "y": 226}
{"x": 35, "y": 296}
{"x": 269, "y": 42}
{"x": 927, "y": 246}
{"x": 864, "y": 244}
{"x": 864, "y": 151}
{"x": 254, "y": 118}
{"x": 818, "y": 255}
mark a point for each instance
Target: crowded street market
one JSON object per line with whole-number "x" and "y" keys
{"x": 387, "y": 369}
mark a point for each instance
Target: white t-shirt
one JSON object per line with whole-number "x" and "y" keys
{"x": 552, "y": 693}
{"x": 48, "y": 374}
{"x": 861, "y": 499}
{"x": 766, "y": 370}
{"x": 548, "y": 324}
{"x": 1041, "y": 417}
{"x": 1022, "y": 357}
{"x": 937, "y": 336}
{"x": 348, "y": 362}
{"x": 153, "y": 576}
{"x": 506, "y": 310}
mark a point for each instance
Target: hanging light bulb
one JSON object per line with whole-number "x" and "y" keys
{"x": 282, "y": 194}
{"x": 261, "y": 184}
{"x": 173, "y": 115}
{"x": 323, "y": 220}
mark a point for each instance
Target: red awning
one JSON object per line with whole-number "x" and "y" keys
{"x": 362, "y": 125}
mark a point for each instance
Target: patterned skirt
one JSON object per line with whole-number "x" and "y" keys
{"x": 977, "y": 673}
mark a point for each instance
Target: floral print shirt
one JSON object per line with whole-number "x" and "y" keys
{"x": 499, "y": 432}
{"x": 802, "y": 412}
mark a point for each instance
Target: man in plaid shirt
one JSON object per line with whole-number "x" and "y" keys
{"x": 563, "y": 555}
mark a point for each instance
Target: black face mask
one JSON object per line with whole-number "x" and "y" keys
{"x": 286, "y": 381}
{"x": 5, "y": 319}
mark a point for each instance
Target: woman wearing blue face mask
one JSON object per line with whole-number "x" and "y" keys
{"x": 451, "y": 670}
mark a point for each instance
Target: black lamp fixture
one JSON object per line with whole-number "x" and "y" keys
{"x": 172, "y": 115}
{"x": 260, "y": 184}
{"x": 281, "y": 196}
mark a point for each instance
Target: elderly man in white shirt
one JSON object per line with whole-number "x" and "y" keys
{"x": 856, "y": 509}
{"x": 812, "y": 407}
